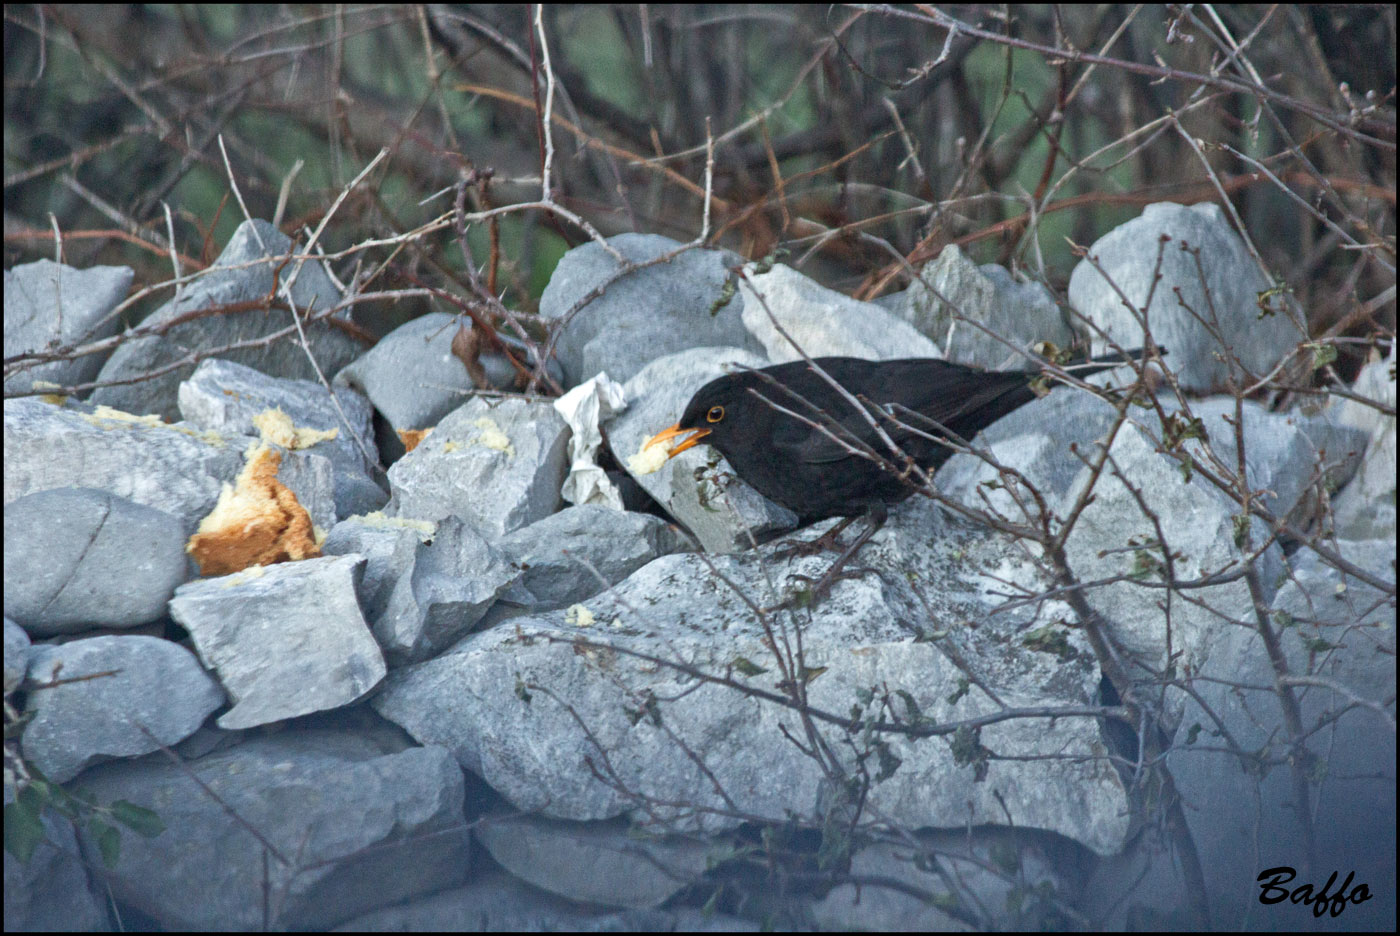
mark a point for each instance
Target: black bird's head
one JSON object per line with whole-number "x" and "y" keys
{"x": 720, "y": 414}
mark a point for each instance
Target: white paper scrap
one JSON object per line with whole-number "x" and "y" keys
{"x": 584, "y": 408}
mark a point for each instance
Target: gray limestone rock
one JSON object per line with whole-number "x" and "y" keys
{"x": 285, "y": 640}
{"x": 78, "y": 558}
{"x": 133, "y": 683}
{"x": 497, "y": 464}
{"x": 563, "y": 556}
{"x": 991, "y": 313}
{"x": 239, "y": 275}
{"x": 822, "y": 321}
{"x": 227, "y": 398}
{"x": 355, "y": 826}
{"x": 48, "y": 303}
{"x": 642, "y": 315}
{"x": 1191, "y": 314}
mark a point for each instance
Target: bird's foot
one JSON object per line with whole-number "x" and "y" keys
{"x": 792, "y": 548}
{"x": 827, "y": 542}
{"x": 817, "y": 588}
{"x": 837, "y": 570}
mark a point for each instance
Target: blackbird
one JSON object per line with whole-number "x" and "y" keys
{"x": 802, "y": 443}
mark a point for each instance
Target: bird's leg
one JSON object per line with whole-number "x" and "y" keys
{"x": 827, "y": 541}
{"x": 876, "y": 515}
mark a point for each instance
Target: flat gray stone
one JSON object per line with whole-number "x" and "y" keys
{"x": 498, "y": 464}
{"x": 552, "y": 552}
{"x": 1339, "y": 630}
{"x": 526, "y": 708}
{"x": 174, "y": 468}
{"x": 235, "y": 277}
{"x": 16, "y": 655}
{"x": 1004, "y": 880}
{"x": 227, "y": 397}
{"x": 285, "y": 640}
{"x": 1112, "y": 538}
{"x": 823, "y": 322}
{"x": 53, "y": 893}
{"x": 79, "y": 558}
{"x": 359, "y": 824}
{"x": 427, "y": 588}
{"x": 1285, "y": 453}
{"x": 1365, "y": 508}
{"x": 594, "y": 862}
{"x": 439, "y": 382}
{"x": 1128, "y": 256}
{"x": 643, "y": 315}
{"x": 496, "y": 902}
{"x": 1017, "y": 313}
{"x": 148, "y": 683}
{"x": 50, "y": 304}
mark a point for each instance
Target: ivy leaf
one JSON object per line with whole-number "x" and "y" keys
{"x": 144, "y": 822}
{"x": 109, "y": 840}
{"x": 23, "y": 828}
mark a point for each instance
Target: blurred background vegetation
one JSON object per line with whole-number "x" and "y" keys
{"x": 862, "y": 140}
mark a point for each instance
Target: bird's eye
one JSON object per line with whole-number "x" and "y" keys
{"x": 715, "y": 414}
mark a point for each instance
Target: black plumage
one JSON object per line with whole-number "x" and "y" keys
{"x": 819, "y": 474}
{"x": 803, "y": 443}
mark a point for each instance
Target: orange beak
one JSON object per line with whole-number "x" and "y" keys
{"x": 666, "y": 435}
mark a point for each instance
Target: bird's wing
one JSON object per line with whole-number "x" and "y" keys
{"x": 977, "y": 402}
{"x": 818, "y": 448}
{"x": 962, "y": 403}
{"x": 953, "y": 396}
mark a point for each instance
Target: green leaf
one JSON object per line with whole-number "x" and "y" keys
{"x": 1144, "y": 565}
{"x": 1323, "y": 354}
{"x": 747, "y": 667}
{"x": 1261, "y": 299}
{"x": 967, "y": 748}
{"x": 1176, "y": 429}
{"x": 726, "y": 294}
{"x": 1241, "y": 524}
{"x": 109, "y": 840}
{"x": 889, "y": 762}
{"x": 648, "y": 708}
{"x": 835, "y": 847}
{"x": 765, "y": 264}
{"x": 1050, "y": 639}
{"x": 144, "y": 822}
{"x": 911, "y": 705}
{"x": 1005, "y": 857}
{"x": 72, "y": 805}
{"x": 13, "y": 729}
{"x": 23, "y": 828}
{"x": 964, "y": 684}
{"x": 1318, "y": 771}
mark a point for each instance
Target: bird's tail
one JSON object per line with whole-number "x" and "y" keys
{"x": 1103, "y": 362}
